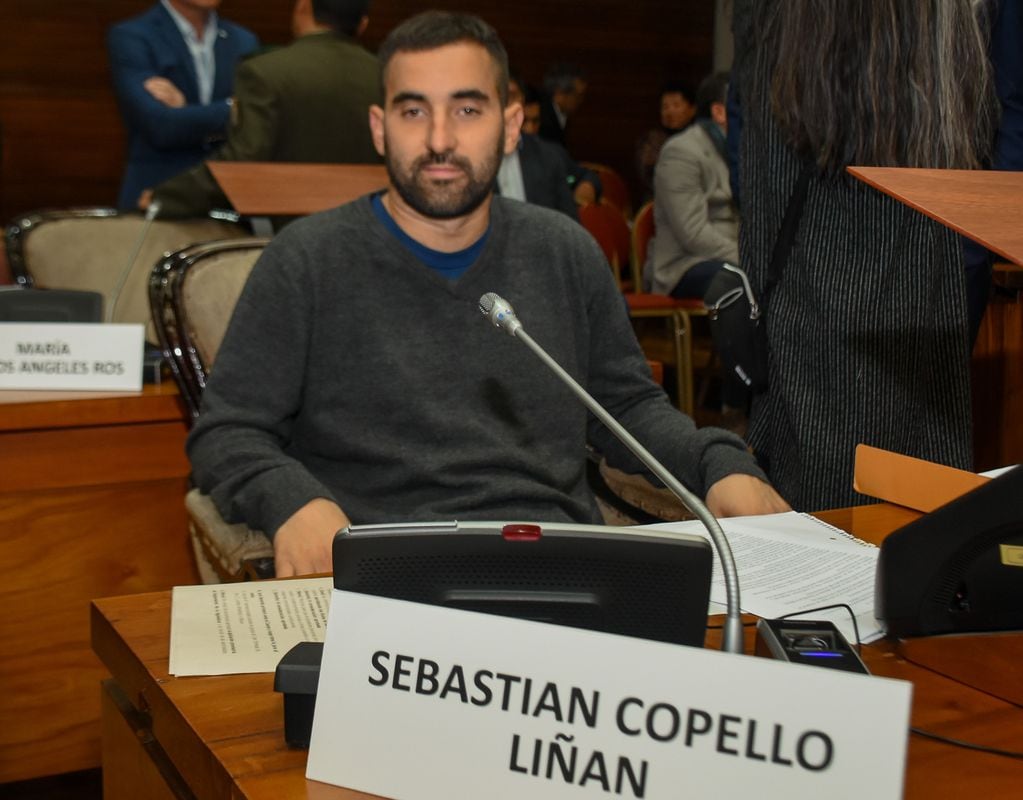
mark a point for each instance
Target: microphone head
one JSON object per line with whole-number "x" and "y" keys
{"x": 152, "y": 210}
{"x": 500, "y": 313}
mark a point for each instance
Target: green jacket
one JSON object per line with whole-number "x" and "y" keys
{"x": 307, "y": 102}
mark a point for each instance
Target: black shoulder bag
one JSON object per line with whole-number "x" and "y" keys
{"x": 736, "y": 318}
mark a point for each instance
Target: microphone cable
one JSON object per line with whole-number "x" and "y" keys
{"x": 115, "y": 295}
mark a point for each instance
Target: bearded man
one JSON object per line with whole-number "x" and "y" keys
{"x": 358, "y": 383}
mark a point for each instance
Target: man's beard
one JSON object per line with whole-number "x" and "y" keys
{"x": 444, "y": 199}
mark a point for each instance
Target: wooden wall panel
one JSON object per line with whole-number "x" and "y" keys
{"x": 61, "y": 141}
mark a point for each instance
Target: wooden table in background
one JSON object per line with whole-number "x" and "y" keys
{"x": 987, "y": 207}
{"x": 262, "y": 188}
{"x": 223, "y": 737}
{"x": 91, "y": 504}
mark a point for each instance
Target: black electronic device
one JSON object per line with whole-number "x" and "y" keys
{"x": 296, "y": 677}
{"x": 49, "y": 305}
{"x": 650, "y": 584}
{"x": 816, "y": 643}
{"x": 958, "y": 569}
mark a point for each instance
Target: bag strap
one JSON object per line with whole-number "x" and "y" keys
{"x": 789, "y": 225}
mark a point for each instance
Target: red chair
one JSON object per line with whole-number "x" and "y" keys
{"x": 611, "y": 232}
{"x": 616, "y": 191}
{"x": 606, "y": 224}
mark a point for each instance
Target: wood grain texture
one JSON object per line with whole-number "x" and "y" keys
{"x": 63, "y": 143}
{"x": 75, "y": 525}
{"x": 983, "y": 205}
{"x": 997, "y": 383}
{"x": 256, "y": 188}
{"x": 225, "y": 733}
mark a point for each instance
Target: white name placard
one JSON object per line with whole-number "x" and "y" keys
{"x": 71, "y": 355}
{"x": 417, "y": 702}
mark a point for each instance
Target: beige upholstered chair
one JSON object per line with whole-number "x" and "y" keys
{"x": 90, "y": 248}
{"x": 192, "y": 294}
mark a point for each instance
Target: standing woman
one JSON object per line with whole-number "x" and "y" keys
{"x": 867, "y": 327}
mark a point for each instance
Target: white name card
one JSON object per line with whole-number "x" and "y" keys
{"x": 70, "y": 355}
{"x": 417, "y": 702}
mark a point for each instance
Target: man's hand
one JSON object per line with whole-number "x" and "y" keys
{"x": 744, "y": 496}
{"x": 585, "y": 193}
{"x": 145, "y": 199}
{"x": 302, "y": 545}
{"x": 164, "y": 91}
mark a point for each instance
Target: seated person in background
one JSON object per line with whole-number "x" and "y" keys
{"x": 677, "y": 111}
{"x": 173, "y": 71}
{"x": 306, "y": 102}
{"x": 697, "y": 223}
{"x": 357, "y": 381}
{"x": 564, "y": 91}
{"x": 542, "y": 172}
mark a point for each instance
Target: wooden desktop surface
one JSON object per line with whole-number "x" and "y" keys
{"x": 91, "y": 504}
{"x": 224, "y": 734}
{"x": 983, "y": 205}
{"x": 258, "y": 188}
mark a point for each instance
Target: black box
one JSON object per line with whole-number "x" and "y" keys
{"x": 296, "y": 677}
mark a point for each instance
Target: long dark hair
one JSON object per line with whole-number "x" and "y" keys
{"x": 878, "y": 82}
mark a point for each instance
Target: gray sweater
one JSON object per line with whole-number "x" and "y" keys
{"x": 352, "y": 371}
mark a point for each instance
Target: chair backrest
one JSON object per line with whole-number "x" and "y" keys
{"x": 616, "y": 190}
{"x": 193, "y": 293}
{"x": 606, "y": 224}
{"x": 89, "y": 249}
{"x": 642, "y": 232}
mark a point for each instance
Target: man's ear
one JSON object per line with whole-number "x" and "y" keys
{"x": 376, "y": 128}
{"x": 361, "y": 29}
{"x": 512, "y": 126}
{"x": 719, "y": 114}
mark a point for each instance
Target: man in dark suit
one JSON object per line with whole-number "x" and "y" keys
{"x": 565, "y": 89}
{"x": 543, "y": 172}
{"x": 307, "y": 102}
{"x": 173, "y": 72}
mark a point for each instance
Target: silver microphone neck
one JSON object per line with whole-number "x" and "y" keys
{"x": 500, "y": 313}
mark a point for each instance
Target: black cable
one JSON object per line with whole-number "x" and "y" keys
{"x": 966, "y": 745}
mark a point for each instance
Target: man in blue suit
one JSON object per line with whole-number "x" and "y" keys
{"x": 173, "y": 71}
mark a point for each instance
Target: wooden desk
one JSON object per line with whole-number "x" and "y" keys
{"x": 987, "y": 207}
{"x": 222, "y": 737}
{"x": 264, "y": 188}
{"x": 983, "y": 205}
{"x": 91, "y": 504}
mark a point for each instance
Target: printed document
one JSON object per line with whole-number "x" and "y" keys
{"x": 231, "y": 628}
{"x": 793, "y": 563}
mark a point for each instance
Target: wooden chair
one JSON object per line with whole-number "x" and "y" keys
{"x": 616, "y": 190}
{"x": 641, "y": 233}
{"x": 192, "y": 294}
{"x": 607, "y": 226}
{"x": 89, "y": 249}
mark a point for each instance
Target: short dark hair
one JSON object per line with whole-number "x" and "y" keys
{"x": 341, "y": 15}
{"x": 561, "y": 77}
{"x": 675, "y": 86}
{"x": 713, "y": 89}
{"x": 433, "y": 29}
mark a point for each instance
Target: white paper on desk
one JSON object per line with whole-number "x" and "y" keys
{"x": 231, "y": 628}
{"x": 793, "y": 562}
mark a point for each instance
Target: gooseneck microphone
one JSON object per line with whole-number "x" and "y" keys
{"x": 151, "y": 211}
{"x": 501, "y": 314}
